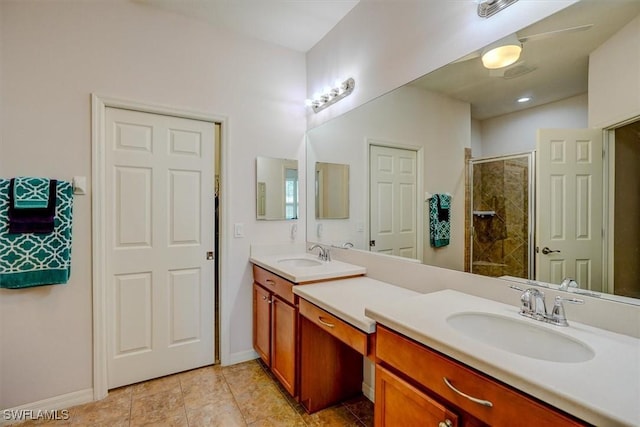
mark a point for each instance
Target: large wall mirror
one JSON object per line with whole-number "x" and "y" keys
{"x": 276, "y": 188}
{"x": 441, "y": 124}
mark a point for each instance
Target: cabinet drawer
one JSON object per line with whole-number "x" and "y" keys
{"x": 274, "y": 283}
{"x": 430, "y": 369}
{"x": 343, "y": 331}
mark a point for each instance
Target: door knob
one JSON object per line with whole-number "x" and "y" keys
{"x": 548, "y": 251}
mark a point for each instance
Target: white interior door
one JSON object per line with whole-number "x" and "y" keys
{"x": 569, "y": 192}
{"x": 393, "y": 198}
{"x": 159, "y": 193}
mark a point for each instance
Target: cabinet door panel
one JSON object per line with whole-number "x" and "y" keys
{"x": 283, "y": 363}
{"x": 400, "y": 404}
{"x": 262, "y": 323}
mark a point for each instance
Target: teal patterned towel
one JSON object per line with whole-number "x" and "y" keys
{"x": 439, "y": 220}
{"x": 31, "y": 259}
{"x": 30, "y": 192}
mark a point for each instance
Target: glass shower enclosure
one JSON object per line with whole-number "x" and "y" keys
{"x": 502, "y": 215}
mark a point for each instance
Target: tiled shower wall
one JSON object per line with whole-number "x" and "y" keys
{"x": 500, "y": 241}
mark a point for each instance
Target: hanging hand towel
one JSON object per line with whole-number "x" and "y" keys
{"x": 439, "y": 220}
{"x": 32, "y": 220}
{"x": 31, "y": 259}
{"x": 30, "y": 192}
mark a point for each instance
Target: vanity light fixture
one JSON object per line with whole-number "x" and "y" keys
{"x": 487, "y": 8}
{"x": 502, "y": 53}
{"x": 331, "y": 95}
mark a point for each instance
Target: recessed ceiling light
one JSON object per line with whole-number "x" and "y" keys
{"x": 524, "y": 99}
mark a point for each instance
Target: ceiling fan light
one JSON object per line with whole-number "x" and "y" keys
{"x": 502, "y": 53}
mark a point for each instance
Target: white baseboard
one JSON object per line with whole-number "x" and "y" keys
{"x": 62, "y": 401}
{"x": 369, "y": 392}
{"x": 242, "y": 356}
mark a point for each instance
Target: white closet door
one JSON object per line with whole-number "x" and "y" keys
{"x": 569, "y": 225}
{"x": 160, "y": 189}
{"x": 393, "y": 198}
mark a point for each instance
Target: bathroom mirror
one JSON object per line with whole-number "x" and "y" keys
{"x": 463, "y": 110}
{"x": 332, "y": 190}
{"x": 276, "y": 188}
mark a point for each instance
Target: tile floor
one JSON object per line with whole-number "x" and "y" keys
{"x": 240, "y": 395}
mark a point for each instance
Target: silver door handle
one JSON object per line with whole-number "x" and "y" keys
{"x": 548, "y": 251}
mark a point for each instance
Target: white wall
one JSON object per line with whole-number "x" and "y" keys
{"x": 516, "y": 132}
{"x": 54, "y": 55}
{"x": 385, "y": 44}
{"x": 476, "y": 138}
{"x": 411, "y": 117}
{"x": 614, "y": 78}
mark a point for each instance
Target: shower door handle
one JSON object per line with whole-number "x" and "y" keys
{"x": 547, "y": 251}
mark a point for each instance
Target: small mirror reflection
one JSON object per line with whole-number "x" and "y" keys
{"x": 276, "y": 189}
{"x": 332, "y": 191}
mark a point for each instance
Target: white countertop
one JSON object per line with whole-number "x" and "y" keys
{"x": 347, "y": 298}
{"x": 603, "y": 391}
{"x": 325, "y": 270}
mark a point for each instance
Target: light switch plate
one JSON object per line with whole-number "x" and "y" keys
{"x": 238, "y": 230}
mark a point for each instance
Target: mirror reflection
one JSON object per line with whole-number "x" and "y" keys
{"x": 332, "y": 190}
{"x": 464, "y": 114}
{"x": 276, "y": 188}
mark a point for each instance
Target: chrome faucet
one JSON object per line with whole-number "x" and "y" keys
{"x": 533, "y": 306}
{"x": 324, "y": 254}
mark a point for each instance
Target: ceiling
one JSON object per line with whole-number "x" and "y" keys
{"x": 295, "y": 24}
{"x": 549, "y": 69}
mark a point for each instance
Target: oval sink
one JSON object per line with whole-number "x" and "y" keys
{"x": 299, "y": 262}
{"x": 521, "y": 337}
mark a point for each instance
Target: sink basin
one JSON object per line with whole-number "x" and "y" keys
{"x": 520, "y": 337}
{"x": 299, "y": 262}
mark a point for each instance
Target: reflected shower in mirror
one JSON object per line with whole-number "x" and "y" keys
{"x": 276, "y": 189}
{"x": 332, "y": 191}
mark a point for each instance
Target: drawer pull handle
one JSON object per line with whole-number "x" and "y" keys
{"x": 327, "y": 324}
{"x": 473, "y": 399}
{"x": 270, "y": 282}
{"x": 446, "y": 423}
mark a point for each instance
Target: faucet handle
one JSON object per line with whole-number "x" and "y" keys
{"x": 568, "y": 283}
{"x": 558, "y": 316}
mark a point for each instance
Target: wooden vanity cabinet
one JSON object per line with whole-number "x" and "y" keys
{"x": 415, "y": 374}
{"x": 275, "y": 326}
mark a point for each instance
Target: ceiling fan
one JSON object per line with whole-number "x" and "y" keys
{"x": 506, "y": 51}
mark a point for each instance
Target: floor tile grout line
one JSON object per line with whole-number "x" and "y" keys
{"x": 235, "y": 400}
{"x": 184, "y": 405}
